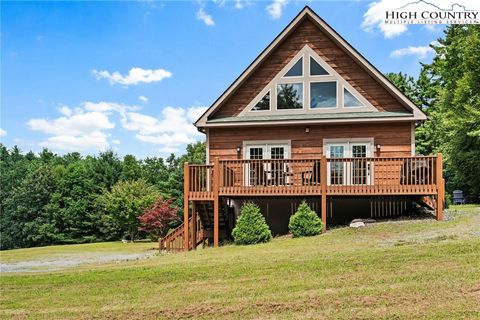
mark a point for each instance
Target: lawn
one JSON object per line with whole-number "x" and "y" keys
{"x": 402, "y": 270}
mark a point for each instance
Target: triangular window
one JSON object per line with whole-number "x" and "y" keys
{"x": 263, "y": 104}
{"x": 296, "y": 70}
{"x": 349, "y": 100}
{"x": 316, "y": 69}
{"x": 307, "y": 84}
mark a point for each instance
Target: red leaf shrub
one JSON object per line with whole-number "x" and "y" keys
{"x": 155, "y": 220}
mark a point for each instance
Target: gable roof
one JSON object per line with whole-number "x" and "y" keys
{"x": 307, "y": 13}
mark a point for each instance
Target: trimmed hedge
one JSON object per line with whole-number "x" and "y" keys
{"x": 305, "y": 222}
{"x": 251, "y": 227}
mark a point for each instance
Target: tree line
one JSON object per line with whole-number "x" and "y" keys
{"x": 448, "y": 90}
{"x": 50, "y": 199}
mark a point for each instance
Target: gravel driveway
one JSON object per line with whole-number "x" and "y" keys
{"x": 68, "y": 261}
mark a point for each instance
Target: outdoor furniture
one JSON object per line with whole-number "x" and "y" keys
{"x": 312, "y": 177}
{"x": 458, "y": 197}
{"x": 416, "y": 171}
{"x": 279, "y": 174}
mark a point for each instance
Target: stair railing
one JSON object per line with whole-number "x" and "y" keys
{"x": 173, "y": 242}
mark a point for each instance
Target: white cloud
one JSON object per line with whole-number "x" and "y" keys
{"x": 173, "y": 128}
{"x": 3, "y": 133}
{"x": 78, "y": 132}
{"x": 205, "y": 17}
{"x": 433, "y": 27}
{"x": 107, "y": 107}
{"x": 275, "y": 9}
{"x": 171, "y": 120}
{"x": 143, "y": 98}
{"x": 89, "y": 141}
{"x": 375, "y": 15}
{"x": 239, "y": 4}
{"x": 174, "y": 139}
{"x": 194, "y": 113}
{"x": 134, "y": 76}
{"x": 77, "y": 124}
{"x": 81, "y": 128}
{"x": 66, "y": 111}
{"x": 219, "y": 3}
{"x": 167, "y": 149}
{"x": 87, "y": 127}
{"x": 420, "y": 51}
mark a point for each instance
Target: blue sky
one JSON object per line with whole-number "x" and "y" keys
{"x": 133, "y": 76}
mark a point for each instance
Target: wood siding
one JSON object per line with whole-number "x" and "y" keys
{"x": 394, "y": 138}
{"x": 338, "y": 59}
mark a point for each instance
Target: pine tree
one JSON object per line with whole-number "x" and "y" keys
{"x": 251, "y": 227}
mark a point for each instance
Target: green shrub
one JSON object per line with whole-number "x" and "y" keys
{"x": 251, "y": 227}
{"x": 305, "y": 222}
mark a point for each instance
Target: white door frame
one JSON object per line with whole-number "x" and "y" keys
{"x": 347, "y": 167}
{"x": 266, "y": 146}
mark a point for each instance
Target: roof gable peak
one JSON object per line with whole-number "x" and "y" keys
{"x": 305, "y": 13}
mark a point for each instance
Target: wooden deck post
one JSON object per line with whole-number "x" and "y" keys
{"x": 160, "y": 245}
{"x": 186, "y": 188}
{"x": 440, "y": 187}
{"x": 216, "y": 181}
{"x": 194, "y": 225}
{"x": 323, "y": 182}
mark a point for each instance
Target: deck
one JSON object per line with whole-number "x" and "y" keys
{"x": 419, "y": 175}
{"x": 322, "y": 177}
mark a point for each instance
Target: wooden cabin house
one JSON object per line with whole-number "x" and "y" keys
{"x": 310, "y": 119}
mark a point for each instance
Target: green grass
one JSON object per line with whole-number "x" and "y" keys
{"x": 400, "y": 270}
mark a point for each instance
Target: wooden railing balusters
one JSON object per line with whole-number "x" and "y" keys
{"x": 355, "y": 176}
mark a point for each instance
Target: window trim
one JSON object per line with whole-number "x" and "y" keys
{"x": 348, "y": 142}
{"x": 267, "y": 144}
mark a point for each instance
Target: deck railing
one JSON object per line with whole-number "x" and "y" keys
{"x": 381, "y": 175}
{"x": 200, "y": 179}
{"x": 174, "y": 241}
{"x": 282, "y": 176}
{"x": 343, "y": 176}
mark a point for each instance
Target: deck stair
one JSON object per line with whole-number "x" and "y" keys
{"x": 427, "y": 201}
{"x": 205, "y": 212}
{"x": 173, "y": 242}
